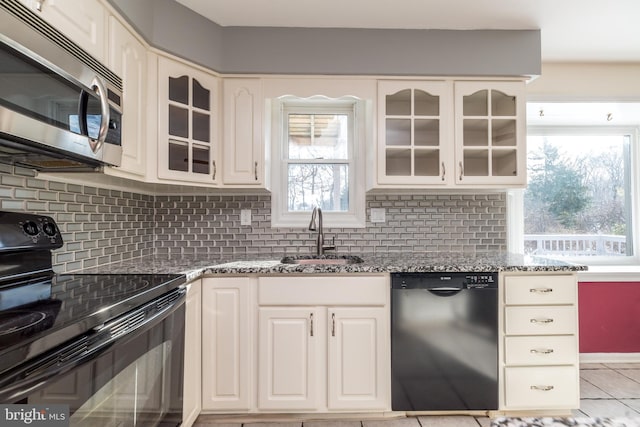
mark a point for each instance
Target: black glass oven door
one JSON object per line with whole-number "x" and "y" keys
{"x": 135, "y": 379}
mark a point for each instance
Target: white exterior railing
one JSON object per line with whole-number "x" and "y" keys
{"x": 575, "y": 244}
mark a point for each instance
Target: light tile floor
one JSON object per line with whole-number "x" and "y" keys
{"x": 606, "y": 391}
{"x": 609, "y": 390}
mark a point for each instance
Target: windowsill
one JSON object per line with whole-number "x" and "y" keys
{"x": 610, "y": 273}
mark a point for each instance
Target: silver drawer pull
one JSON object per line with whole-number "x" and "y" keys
{"x": 541, "y": 320}
{"x": 541, "y": 290}
{"x": 541, "y": 350}
{"x": 542, "y": 387}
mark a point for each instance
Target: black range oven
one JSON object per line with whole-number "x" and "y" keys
{"x": 109, "y": 346}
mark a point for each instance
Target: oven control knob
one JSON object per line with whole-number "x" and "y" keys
{"x": 49, "y": 229}
{"x": 30, "y": 227}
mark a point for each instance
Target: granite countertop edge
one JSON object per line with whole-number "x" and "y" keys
{"x": 194, "y": 267}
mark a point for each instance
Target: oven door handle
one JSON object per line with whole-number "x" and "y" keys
{"x": 27, "y": 378}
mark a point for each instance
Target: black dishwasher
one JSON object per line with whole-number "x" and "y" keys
{"x": 444, "y": 341}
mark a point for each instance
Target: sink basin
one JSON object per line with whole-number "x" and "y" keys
{"x": 322, "y": 259}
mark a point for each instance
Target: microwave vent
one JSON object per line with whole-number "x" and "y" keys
{"x": 32, "y": 20}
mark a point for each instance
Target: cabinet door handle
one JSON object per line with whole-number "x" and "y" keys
{"x": 542, "y": 387}
{"x": 461, "y": 170}
{"x": 541, "y": 320}
{"x": 214, "y": 170}
{"x": 444, "y": 171}
{"x": 541, "y": 350}
{"x": 333, "y": 324}
{"x": 255, "y": 170}
{"x": 311, "y": 319}
{"x": 541, "y": 290}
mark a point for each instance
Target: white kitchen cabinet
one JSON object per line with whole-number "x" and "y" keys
{"x": 243, "y": 149}
{"x": 288, "y": 359}
{"x": 128, "y": 59}
{"x": 188, "y": 136}
{"x": 539, "y": 341}
{"x": 192, "y": 391}
{"x": 541, "y": 387}
{"x": 414, "y": 132}
{"x": 356, "y": 358}
{"x": 451, "y": 134}
{"x": 490, "y": 133}
{"x": 323, "y": 343}
{"x": 84, "y": 22}
{"x": 228, "y": 305}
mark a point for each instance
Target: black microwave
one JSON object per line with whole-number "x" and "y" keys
{"x": 60, "y": 108}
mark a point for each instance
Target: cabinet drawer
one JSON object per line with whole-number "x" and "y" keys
{"x": 541, "y": 350}
{"x": 542, "y": 388}
{"x": 323, "y": 290}
{"x": 540, "y": 289}
{"x": 552, "y": 320}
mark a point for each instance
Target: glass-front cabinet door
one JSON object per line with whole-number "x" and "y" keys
{"x": 187, "y": 135}
{"x": 413, "y": 128}
{"x": 490, "y": 133}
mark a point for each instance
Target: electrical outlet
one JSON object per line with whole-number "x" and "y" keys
{"x": 245, "y": 217}
{"x": 377, "y": 215}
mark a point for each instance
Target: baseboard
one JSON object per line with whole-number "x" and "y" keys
{"x": 609, "y": 357}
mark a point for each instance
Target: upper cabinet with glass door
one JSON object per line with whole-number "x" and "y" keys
{"x": 413, "y": 133}
{"x": 490, "y": 133}
{"x": 187, "y": 135}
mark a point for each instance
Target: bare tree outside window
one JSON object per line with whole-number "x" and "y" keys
{"x": 577, "y": 202}
{"x": 318, "y": 161}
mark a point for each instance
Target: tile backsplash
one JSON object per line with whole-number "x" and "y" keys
{"x": 100, "y": 226}
{"x": 211, "y": 225}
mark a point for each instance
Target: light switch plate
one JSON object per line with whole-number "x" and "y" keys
{"x": 377, "y": 215}
{"x": 245, "y": 217}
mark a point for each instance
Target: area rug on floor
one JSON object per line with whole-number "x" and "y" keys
{"x": 562, "y": 422}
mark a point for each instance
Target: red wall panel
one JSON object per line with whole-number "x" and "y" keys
{"x": 609, "y": 317}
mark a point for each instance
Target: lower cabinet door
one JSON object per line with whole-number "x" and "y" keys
{"x": 287, "y": 367}
{"x": 227, "y": 365}
{"x": 548, "y": 387}
{"x": 358, "y": 361}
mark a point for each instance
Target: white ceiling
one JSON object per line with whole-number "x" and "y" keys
{"x": 572, "y": 30}
{"x": 583, "y": 114}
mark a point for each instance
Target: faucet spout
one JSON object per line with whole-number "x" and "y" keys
{"x": 320, "y": 246}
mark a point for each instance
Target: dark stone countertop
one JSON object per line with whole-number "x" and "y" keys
{"x": 195, "y": 266}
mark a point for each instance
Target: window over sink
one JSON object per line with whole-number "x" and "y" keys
{"x": 318, "y": 144}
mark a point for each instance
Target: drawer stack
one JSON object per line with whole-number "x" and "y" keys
{"x": 540, "y": 353}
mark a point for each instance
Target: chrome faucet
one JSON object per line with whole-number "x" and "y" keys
{"x": 320, "y": 246}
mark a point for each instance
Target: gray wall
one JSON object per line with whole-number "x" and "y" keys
{"x": 172, "y": 27}
{"x": 102, "y": 226}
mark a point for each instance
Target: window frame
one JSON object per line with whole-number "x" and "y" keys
{"x": 355, "y": 108}
{"x": 515, "y": 199}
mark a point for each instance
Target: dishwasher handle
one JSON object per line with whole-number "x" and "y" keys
{"x": 445, "y": 291}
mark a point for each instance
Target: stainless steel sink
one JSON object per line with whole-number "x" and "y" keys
{"x": 322, "y": 259}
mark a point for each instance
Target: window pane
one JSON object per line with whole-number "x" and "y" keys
{"x": 178, "y": 156}
{"x": 318, "y": 136}
{"x": 577, "y": 202}
{"x": 201, "y": 160}
{"x": 325, "y": 185}
{"x": 178, "y": 121}
{"x": 200, "y": 129}
{"x": 179, "y": 89}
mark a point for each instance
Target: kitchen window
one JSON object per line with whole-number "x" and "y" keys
{"x": 582, "y": 182}
{"x": 318, "y": 146}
